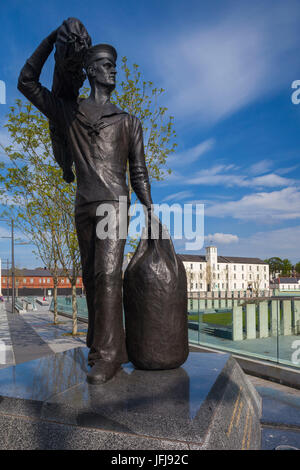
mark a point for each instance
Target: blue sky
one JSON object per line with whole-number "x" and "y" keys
{"x": 227, "y": 68}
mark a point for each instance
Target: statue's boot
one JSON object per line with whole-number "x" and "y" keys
{"x": 102, "y": 371}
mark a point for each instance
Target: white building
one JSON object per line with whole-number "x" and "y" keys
{"x": 287, "y": 283}
{"x": 211, "y": 272}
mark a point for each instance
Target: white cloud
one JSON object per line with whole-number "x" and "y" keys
{"x": 219, "y": 67}
{"x": 222, "y": 238}
{"x": 178, "y": 196}
{"x": 260, "y": 167}
{"x": 263, "y": 206}
{"x": 191, "y": 155}
{"x": 218, "y": 174}
{"x": 282, "y": 242}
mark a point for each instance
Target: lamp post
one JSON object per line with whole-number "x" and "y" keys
{"x": 12, "y": 237}
{"x": 12, "y": 261}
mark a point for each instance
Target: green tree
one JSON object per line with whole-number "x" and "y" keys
{"x": 297, "y": 267}
{"x": 286, "y": 267}
{"x": 275, "y": 265}
{"x": 34, "y": 192}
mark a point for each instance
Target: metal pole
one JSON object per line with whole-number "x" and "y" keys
{"x": 13, "y": 266}
{"x": 7, "y": 280}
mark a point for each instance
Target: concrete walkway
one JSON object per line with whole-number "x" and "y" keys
{"x": 32, "y": 335}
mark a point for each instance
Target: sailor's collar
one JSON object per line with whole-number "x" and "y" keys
{"x": 108, "y": 109}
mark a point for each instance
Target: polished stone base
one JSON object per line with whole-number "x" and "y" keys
{"x": 208, "y": 403}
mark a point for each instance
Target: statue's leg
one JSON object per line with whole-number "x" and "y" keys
{"x": 86, "y": 233}
{"x": 109, "y": 338}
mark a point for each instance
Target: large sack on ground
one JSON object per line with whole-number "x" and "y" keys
{"x": 155, "y": 306}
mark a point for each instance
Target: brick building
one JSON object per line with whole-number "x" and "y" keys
{"x": 38, "y": 281}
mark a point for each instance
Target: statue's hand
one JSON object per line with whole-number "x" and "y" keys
{"x": 52, "y": 36}
{"x": 68, "y": 176}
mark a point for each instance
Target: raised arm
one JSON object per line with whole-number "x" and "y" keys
{"x": 137, "y": 166}
{"x": 29, "y": 84}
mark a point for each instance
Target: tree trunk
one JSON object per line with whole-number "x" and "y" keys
{"x": 55, "y": 312}
{"x": 74, "y": 309}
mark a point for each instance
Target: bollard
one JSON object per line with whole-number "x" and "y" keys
{"x": 251, "y": 321}
{"x": 287, "y": 318}
{"x": 275, "y": 317}
{"x": 263, "y": 316}
{"x": 237, "y": 324}
{"x": 297, "y": 317}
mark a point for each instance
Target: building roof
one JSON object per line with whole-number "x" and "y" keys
{"x": 222, "y": 259}
{"x": 193, "y": 258}
{"x": 36, "y": 272}
{"x": 286, "y": 280}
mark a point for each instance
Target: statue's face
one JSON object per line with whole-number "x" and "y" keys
{"x": 103, "y": 71}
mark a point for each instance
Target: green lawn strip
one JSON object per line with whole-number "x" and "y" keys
{"x": 224, "y": 318}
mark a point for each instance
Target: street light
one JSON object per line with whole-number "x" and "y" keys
{"x": 12, "y": 261}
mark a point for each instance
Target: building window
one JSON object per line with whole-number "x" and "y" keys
{"x": 235, "y": 285}
{"x": 191, "y": 266}
{"x": 200, "y": 286}
{"x": 242, "y": 276}
{"x": 218, "y": 267}
{"x": 192, "y": 285}
{"x": 24, "y": 281}
{"x": 234, "y": 276}
{"x": 40, "y": 281}
{"x": 250, "y": 277}
{"x": 200, "y": 266}
{"x": 44, "y": 281}
{"x": 257, "y": 276}
{"x": 31, "y": 281}
{"x": 196, "y": 285}
{"x": 250, "y": 268}
{"x": 234, "y": 267}
{"x": 257, "y": 268}
{"x": 242, "y": 267}
{"x": 48, "y": 280}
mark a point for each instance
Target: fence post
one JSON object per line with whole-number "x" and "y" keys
{"x": 251, "y": 321}
{"x": 237, "y": 323}
{"x": 263, "y": 320}
{"x": 297, "y": 317}
{"x": 275, "y": 317}
{"x": 287, "y": 317}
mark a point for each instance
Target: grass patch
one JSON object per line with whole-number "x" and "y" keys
{"x": 224, "y": 318}
{"x": 80, "y": 333}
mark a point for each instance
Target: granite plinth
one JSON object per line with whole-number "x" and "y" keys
{"x": 208, "y": 403}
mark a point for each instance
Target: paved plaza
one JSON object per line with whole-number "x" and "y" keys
{"x": 32, "y": 335}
